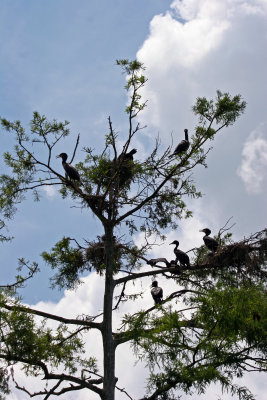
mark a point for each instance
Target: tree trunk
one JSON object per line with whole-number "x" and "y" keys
{"x": 108, "y": 342}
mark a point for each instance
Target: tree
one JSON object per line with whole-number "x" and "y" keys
{"x": 212, "y": 328}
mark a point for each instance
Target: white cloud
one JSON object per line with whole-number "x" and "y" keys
{"x": 186, "y": 40}
{"x": 217, "y": 9}
{"x": 254, "y": 162}
{"x": 50, "y": 192}
{"x": 192, "y": 49}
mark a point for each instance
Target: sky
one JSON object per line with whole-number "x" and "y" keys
{"x": 58, "y": 57}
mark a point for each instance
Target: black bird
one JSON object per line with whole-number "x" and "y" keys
{"x": 211, "y": 243}
{"x": 127, "y": 156}
{"x": 181, "y": 256}
{"x": 126, "y": 164}
{"x": 157, "y": 292}
{"x": 71, "y": 172}
{"x": 182, "y": 146}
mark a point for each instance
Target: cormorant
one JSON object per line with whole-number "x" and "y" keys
{"x": 182, "y": 146}
{"x": 127, "y": 156}
{"x": 157, "y": 292}
{"x": 211, "y": 243}
{"x": 126, "y": 164}
{"x": 181, "y": 256}
{"x": 71, "y": 172}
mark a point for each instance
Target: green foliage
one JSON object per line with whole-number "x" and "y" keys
{"x": 135, "y": 82}
{"x": 224, "y": 329}
{"x": 24, "y": 339}
{"x": 23, "y": 162}
{"x": 4, "y": 238}
{"x": 4, "y": 378}
{"x": 224, "y": 109}
{"x": 69, "y": 262}
{"x": 231, "y": 311}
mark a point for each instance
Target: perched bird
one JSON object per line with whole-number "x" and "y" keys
{"x": 182, "y": 146}
{"x": 157, "y": 292}
{"x": 71, "y": 172}
{"x": 126, "y": 165}
{"x": 181, "y": 256}
{"x": 127, "y": 156}
{"x": 211, "y": 243}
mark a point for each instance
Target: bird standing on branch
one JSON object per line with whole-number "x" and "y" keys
{"x": 181, "y": 256}
{"x": 71, "y": 172}
{"x": 210, "y": 243}
{"x": 182, "y": 146}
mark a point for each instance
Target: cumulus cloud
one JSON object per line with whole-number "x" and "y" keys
{"x": 253, "y": 166}
{"x": 194, "y": 48}
{"x": 50, "y": 192}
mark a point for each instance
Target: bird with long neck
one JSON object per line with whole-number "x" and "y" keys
{"x": 210, "y": 243}
{"x": 180, "y": 255}
{"x": 71, "y": 172}
{"x": 156, "y": 292}
{"x": 182, "y": 146}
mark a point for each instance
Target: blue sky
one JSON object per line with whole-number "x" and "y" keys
{"x": 58, "y": 57}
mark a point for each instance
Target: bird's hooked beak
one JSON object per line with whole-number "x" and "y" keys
{"x": 59, "y": 156}
{"x": 171, "y": 243}
{"x": 202, "y": 230}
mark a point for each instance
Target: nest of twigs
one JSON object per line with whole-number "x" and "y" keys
{"x": 96, "y": 255}
{"x": 235, "y": 254}
{"x": 246, "y": 258}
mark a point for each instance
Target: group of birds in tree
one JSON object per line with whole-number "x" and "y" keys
{"x": 125, "y": 160}
{"x": 182, "y": 258}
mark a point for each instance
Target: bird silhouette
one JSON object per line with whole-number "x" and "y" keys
{"x": 127, "y": 156}
{"x": 210, "y": 243}
{"x": 181, "y": 256}
{"x": 71, "y": 172}
{"x": 182, "y": 146}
